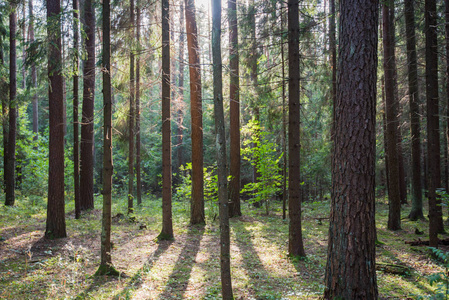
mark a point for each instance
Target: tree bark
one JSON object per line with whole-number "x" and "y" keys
{"x": 284, "y": 129}
{"x": 33, "y": 75}
{"x": 446, "y": 184}
{"x": 391, "y": 110}
{"x": 167, "y": 223}
{"x": 10, "y": 154}
{"x": 415, "y": 128}
{"x": 225, "y": 255}
{"x": 234, "y": 111}
{"x": 56, "y": 227}
{"x": 131, "y": 114}
{"x": 76, "y": 160}
{"x": 196, "y": 111}
{"x": 138, "y": 175}
{"x": 350, "y": 269}
{"x": 180, "y": 100}
{"x": 87, "y": 125}
{"x": 295, "y": 245}
{"x": 433, "y": 138}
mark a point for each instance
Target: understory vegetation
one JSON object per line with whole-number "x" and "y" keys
{"x": 188, "y": 267}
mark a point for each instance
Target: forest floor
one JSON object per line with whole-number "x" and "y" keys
{"x": 188, "y": 267}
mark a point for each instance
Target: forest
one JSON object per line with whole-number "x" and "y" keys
{"x": 209, "y": 149}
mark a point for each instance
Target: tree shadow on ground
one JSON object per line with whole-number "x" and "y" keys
{"x": 97, "y": 282}
{"x": 179, "y": 278}
{"x": 136, "y": 281}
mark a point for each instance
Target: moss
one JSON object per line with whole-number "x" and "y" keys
{"x": 107, "y": 270}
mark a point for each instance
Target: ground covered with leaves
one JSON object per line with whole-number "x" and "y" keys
{"x": 188, "y": 267}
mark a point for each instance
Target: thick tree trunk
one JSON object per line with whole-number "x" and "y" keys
{"x": 234, "y": 87}
{"x": 167, "y": 223}
{"x": 417, "y": 205}
{"x": 106, "y": 267}
{"x": 225, "y": 256}
{"x": 295, "y": 245}
{"x": 12, "y": 113}
{"x": 433, "y": 131}
{"x": 391, "y": 110}
{"x": 196, "y": 111}
{"x": 350, "y": 270}
{"x": 138, "y": 175}
{"x": 55, "y": 208}
{"x": 76, "y": 160}
{"x": 131, "y": 115}
{"x": 87, "y": 125}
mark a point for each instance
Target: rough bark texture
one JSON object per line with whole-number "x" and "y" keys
{"x": 196, "y": 111}
{"x": 55, "y": 208}
{"x": 391, "y": 110}
{"x": 234, "y": 87}
{"x": 12, "y": 114}
{"x": 417, "y": 204}
{"x": 76, "y": 159}
{"x": 225, "y": 255}
{"x": 333, "y": 58}
{"x": 350, "y": 270}
{"x": 295, "y": 243}
{"x": 433, "y": 138}
{"x": 131, "y": 114}
{"x": 106, "y": 259}
{"x": 87, "y": 125}
{"x": 167, "y": 224}
{"x": 138, "y": 175}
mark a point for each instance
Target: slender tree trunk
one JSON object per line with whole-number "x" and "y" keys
{"x": 106, "y": 267}
{"x": 138, "y": 175}
{"x": 33, "y": 76}
{"x": 225, "y": 256}
{"x": 131, "y": 115}
{"x": 12, "y": 112}
{"x": 76, "y": 160}
{"x": 447, "y": 95}
{"x": 433, "y": 133}
{"x": 234, "y": 87}
{"x": 295, "y": 245}
{"x": 180, "y": 100}
{"x": 24, "y": 37}
{"x": 55, "y": 208}
{"x": 417, "y": 205}
{"x": 196, "y": 110}
{"x": 87, "y": 125}
{"x": 167, "y": 223}
{"x": 391, "y": 109}
{"x": 350, "y": 270}
{"x": 4, "y": 99}
{"x": 284, "y": 128}
{"x": 333, "y": 53}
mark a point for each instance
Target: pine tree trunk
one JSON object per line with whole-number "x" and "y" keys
{"x": 295, "y": 245}
{"x": 197, "y": 202}
{"x": 447, "y": 96}
{"x": 391, "y": 110}
{"x": 415, "y": 128}
{"x": 131, "y": 115}
{"x": 138, "y": 175}
{"x": 433, "y": 138}
{"x": 33, "y": 75}
{"x": 167, "y": 224}
{"x": 12, "y": 113}
{"x": 225, "y": 256}
{"x": 87, "y": 125}
{"x": 56, "y": 227}
{"x": 350, "y": 270}
{"x": 76, "y": 160}
{"x": 180, "y": 100}
{"x": 284, "y": 129}
{"x": 234, "y": 90}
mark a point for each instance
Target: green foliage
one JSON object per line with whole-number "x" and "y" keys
{"x": 262, "y": 154}
{"x": 440, "y": 279}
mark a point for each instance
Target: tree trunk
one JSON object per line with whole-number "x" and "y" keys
{"x": 225, "y": 256}
{"x": 12, "y": 113}
{"x": 76, "y": 160}
{"x": 106, "y": 267}
{"x": 55, "y": 208}
{"x": 167, "y": 223}
{"x": 295, "y": 245}
{"x": 391, "y": 110}
{"x": 350, "y": 270}
{"x": 196, "y": 111}
{"x": 417, "y": 205}
{"x": 284, "y": 129}
{"x": 433, "y": 133}
{"x": 447, "y": 96}
{"x": 180, "y": 100}
{"x": 138, "y": 175}
{"x": 33, "y": 76}
{"x": 131, "y": 115}
{"x": 87, "y": 125}
{"x": 234, "y": 111}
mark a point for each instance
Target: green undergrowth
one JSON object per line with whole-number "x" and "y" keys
{"x": 187, "y": 267}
